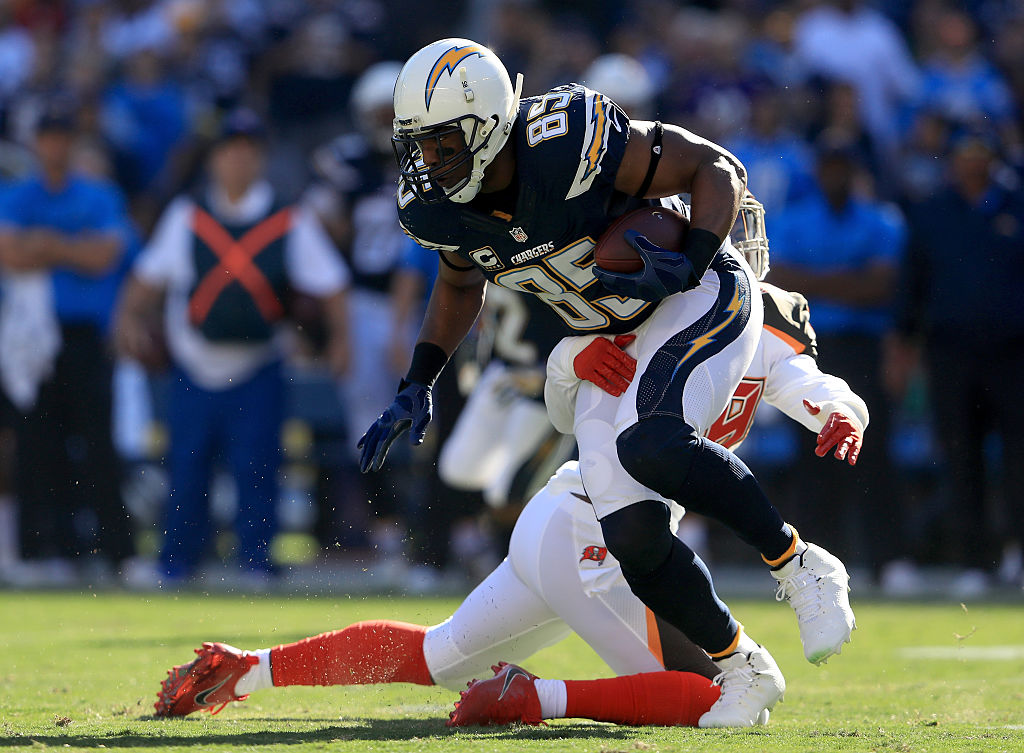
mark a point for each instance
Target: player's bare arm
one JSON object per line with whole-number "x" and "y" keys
{"x": 664, "y": 160}
{"x": 455, "y": 303}
{"x": 690, "y": 164}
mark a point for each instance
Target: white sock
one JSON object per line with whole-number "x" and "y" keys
{"x": 553, "y": 698}
{"x": 258, "y": 677}
{"x": 746, "y": 644}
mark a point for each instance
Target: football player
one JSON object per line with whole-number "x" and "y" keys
{"x": 559, "y": 576}
{"x": 515, "y": 341}
{"x": 520, "y": 329}
{"x": 514, "y": 192}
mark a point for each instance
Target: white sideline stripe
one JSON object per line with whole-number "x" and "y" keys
{"x": 967, "y": 653}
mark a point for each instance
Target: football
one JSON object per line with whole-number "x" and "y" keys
{"x": 660, "y": 225}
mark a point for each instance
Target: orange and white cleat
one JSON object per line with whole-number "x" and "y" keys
{"x": 508, "y": 697}
{"x": 205, "y": 684}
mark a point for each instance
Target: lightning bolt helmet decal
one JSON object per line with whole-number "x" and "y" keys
{"x": 448, "y": 62}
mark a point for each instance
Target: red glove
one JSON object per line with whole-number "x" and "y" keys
{"x": 841, "y": 432}
{"x": 606, "y": 364}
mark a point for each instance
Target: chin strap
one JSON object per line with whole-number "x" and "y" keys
{"x": 469, "y": 191}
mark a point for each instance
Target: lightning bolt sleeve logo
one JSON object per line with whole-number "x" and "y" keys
{"x": 596, "y": 150}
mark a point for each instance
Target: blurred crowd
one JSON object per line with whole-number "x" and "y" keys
{"x": 141, "y": 441}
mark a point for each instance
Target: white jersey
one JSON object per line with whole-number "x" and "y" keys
{"x": 559, "y": 576}
{"x": 783, "y": 373}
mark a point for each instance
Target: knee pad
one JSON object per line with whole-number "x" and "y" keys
{"x": 638, "y": 536}
{"x": 658, "y": 452}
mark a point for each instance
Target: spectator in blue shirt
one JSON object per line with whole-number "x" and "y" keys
{"x": 779, "y": 165}
{"x": 67, "y": 232}
{"x": 144, "y": 117}
{"x": 843, "y": 252}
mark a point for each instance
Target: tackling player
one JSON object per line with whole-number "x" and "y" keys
{"x": 558, "y": 577}
{"x": 514, "y": 192}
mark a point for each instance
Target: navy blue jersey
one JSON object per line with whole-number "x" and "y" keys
{"x": 568, "y": 144}
{"x": 520, "y": 330}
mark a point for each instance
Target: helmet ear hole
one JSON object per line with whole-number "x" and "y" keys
{"x": 487, "y": 126}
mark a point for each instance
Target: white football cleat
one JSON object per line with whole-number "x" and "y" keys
{"x": 816, "y": 585}
{"x": 751, "y": 686}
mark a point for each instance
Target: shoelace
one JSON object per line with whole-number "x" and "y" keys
{"x": 802, "y": 591}
{"x": 734, "y": 682}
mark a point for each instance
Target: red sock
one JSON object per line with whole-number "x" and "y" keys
{"x": 361, "y": 654}
{"x": 660, "y": 698}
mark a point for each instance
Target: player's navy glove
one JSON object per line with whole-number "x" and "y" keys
{"x": 409, "y": 410}
{"x": 665, "y": 272}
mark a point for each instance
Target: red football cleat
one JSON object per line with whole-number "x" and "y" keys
{"x": 507, "y": 697}
{"x": 205, "y": 684}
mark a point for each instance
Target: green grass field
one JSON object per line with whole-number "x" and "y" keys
{"x": 81, "y": 671}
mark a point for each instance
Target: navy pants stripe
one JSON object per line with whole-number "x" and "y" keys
{"x": 662, "y": 383}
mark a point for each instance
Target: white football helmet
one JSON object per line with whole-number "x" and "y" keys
{"x": 749, "y": 235}
{"x": 448, "y": 87}
{"x": 372, "y": 99}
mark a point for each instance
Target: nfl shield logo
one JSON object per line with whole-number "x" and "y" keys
{"x": 518, "y": 234}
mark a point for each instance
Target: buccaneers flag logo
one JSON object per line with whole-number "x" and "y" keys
{"x": 595, "y": 554}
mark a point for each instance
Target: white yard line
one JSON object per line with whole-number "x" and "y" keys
{"x": 964, "y": 653}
